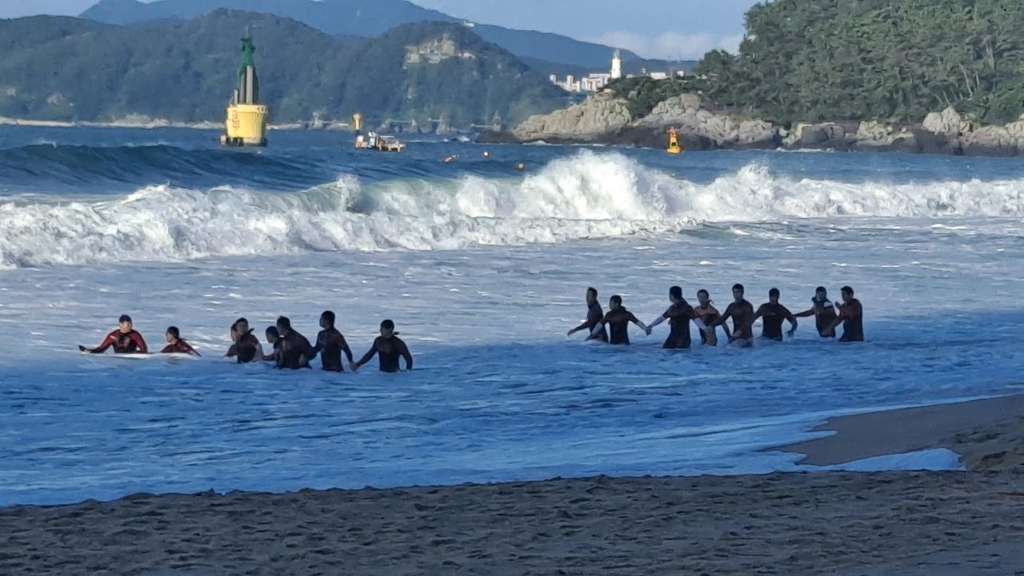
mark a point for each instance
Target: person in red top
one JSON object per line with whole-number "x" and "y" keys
{"x": 125, "y": 340}
{"x": 175, "y": 345}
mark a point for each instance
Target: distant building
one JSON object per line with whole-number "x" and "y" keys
{"x": 616, "y": 71}
{"x": 658, "y": 75}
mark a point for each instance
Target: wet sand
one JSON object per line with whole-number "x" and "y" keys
{"x": 847, "y": 524}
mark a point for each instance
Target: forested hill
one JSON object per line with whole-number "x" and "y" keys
{"x": 894, "y": 60}
{"x": 57, "y": 68}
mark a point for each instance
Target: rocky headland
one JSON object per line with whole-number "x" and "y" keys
{"x": 606, "y": 119}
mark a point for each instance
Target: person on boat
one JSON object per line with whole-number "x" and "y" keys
{"x": 617, "y": 319}
{"x": 175, "y": 345}
{"x": 594, "y": 316}
{"x": 274, "y": 340}
{"x": 772, "y": 314}
{"x": 824, "y": 312}
{"x": 679, "y": 315}
{"x": 851, "y": 316}
{"x": 295, "y": 348}
{"x": 742, "y": 314}
{"x": 389, "y": 347}
{"x": 246, "y": 347}
{"x": 707, "y": 314}
{"x": 330, "y": 343}
{"x": 124, "y": 340}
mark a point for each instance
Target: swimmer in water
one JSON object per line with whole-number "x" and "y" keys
{"x": 772, "y": 314}
{"x": 246, "y": 347}
{"x": 274, "y": 340}
{"x": 594, "y": 316}
{"x": 823, "y": 311}
{"x": 124, "y": 340}
{"x": 175, "y": 345}
{"x": 742, "y": 314}
{"x": 617, "y": 319}
{"x": 390, "y": 348}
{"x": 851, "y": 316}
{"x": 295, "y": 348}
{"x": 678, "y": 315}
{"x": 330, "y": 344}
{"x": 708, "y": 314}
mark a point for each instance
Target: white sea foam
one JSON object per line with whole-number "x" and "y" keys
{"x": 589, "y": 195}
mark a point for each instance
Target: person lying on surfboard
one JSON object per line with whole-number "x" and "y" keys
{"x": 175, "y": 345}
{"x": 124, "y": 340}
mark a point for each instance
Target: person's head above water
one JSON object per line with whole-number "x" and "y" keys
{"x": 327, "y": 319}
{"x": 773, "y": 295}
{"x": 284, "y": 326}
{"x": 591, "y": 295}
{"x": 703, "y": 297}
{"x": 387, "y": 329}
{"x": 737, "y": 292}
{"x": 821, "y": 293}
{"x": 272, "y": 334}
{"x": 615, "y": 302}
{"x": 173, "y": 334}
{"x": 675, "y": 294}
{"x": 124, "y": 323}
{"x": 847, "y": 293}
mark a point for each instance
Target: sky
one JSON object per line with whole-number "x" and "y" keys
{"x": 669, "y": 29}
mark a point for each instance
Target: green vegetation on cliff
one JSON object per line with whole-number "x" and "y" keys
{"x": 892, "y": 60}
{"x": 69, "y": 69}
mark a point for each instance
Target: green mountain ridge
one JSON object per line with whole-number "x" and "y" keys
{"x": 369, "y": 18}
{"x": 56, "y": 68}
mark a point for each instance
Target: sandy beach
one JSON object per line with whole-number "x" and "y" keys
{"x": 898, "y": 523}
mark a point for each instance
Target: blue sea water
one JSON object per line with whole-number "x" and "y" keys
{"x": 483, "y": 267}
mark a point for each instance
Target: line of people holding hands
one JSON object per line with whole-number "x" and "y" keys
{"x": 289, "y": 349}
{"x": 613, "y": 327}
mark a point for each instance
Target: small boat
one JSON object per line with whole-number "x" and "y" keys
{"x": 673, "y": 142}
{"x": 374, "y": 141}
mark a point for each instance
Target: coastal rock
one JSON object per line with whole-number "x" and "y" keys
{"x": 991, "y": 141}
{"x": 948, "y": 121}
{"x": 757, "y": 134}
{"x": 599, "y": 114}
{"x": 875, "y": 135}
{"x": 826, "y": 135}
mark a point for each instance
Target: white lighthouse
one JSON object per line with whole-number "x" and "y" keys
{"x": 616, "y": 65}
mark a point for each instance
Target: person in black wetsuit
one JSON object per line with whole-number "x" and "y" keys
{"x": 246, "y": 346}
{"x": 823, "y": 311}
{"x": 124, "y": 340}
{"x": 742, "y": 314}
{"x": 679, "y": 315}
{"x": 274, "y": 340}
{"x": 295, "y": 348}
{"x": 390, "y": 348}
{"x": 594, "y": 316}
{"x": 851, "y": 316}
{"x": 330, "y": 343}
{"x": 708, "y": 314}
{"x": 617, "y": 319}
{"x": 772, "y": 314}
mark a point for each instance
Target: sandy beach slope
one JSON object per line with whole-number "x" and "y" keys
{"x": 849, "y": 524}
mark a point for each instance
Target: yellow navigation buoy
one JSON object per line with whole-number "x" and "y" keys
{"x": 673, "y": 142}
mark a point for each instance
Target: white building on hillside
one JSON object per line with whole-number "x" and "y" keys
{"x": 616, "y": 65}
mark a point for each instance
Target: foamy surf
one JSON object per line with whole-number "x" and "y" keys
{"x": 590, "y": 195}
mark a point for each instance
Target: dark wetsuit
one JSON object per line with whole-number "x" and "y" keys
{"x": 852, "y": 314}
{"x": 330, "y": 344}
{"x": 679, "y": 317}
{"x": 708, "y": 316}
{"x": 594, "y": 316}
{"x": 179, "y": 347}
{"x": 245, "y": 347}
{"x": 295, "y": 351}
{"x": 772, "y": 316}
{"x": 742, "y": 314}
{"x": 824, "y": 316}
{"x": 617, "y": 322}
{"x": 390, "y": 350}
{"x": 130, "y": 343}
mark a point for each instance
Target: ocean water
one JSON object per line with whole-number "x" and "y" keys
{"x": 484, "y": 269}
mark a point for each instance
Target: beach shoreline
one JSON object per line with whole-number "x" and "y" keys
{"x": 927, "y": 523}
